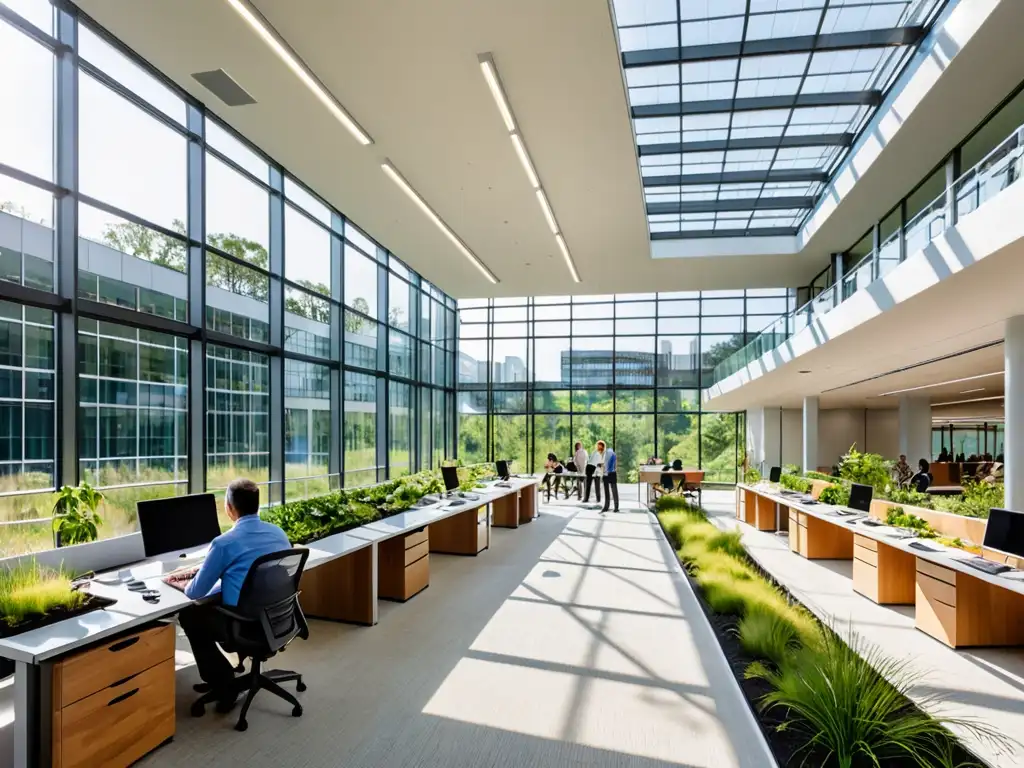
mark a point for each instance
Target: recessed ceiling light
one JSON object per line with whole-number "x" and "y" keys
{"x": 490, "y": 72}
{"x": 284, "y": 52}
{"x": 970, "y": 400}
{"x": 969, "y": 391}
{"x": 413, "y": 195}
{"x": 942, "y": 383}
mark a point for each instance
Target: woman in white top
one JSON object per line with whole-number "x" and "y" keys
{"x": 580, "y": 458}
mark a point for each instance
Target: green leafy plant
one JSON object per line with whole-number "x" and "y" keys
{"x": 898, "y": 518}
{"x": 32, "y": 590}
{"x": 752, "y": 476}
{"x": 791, "y": 469}
{"x": 813, "y": 475}
{"x": 835, "y": 494}
{"x": 866, "y": 468}
{"x": 74, "y": 515}
{"x": 795, "y": 483}
{"x": 851, "y": 701}
{"x": 910, "y": 497}
{"x": 976, "y": 501}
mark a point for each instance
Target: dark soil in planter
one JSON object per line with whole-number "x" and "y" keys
{"x": 786, "y": 744}
{"x": 92, "y": 603}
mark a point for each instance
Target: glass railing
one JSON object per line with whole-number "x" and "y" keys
{"x": 999, "y": 169}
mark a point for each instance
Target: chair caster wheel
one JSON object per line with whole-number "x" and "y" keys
{"x": 241, "y": 725}
{"x": 297, "y": 711}
{"x": 197, "y": 710}
{"x": 300, "y": 686}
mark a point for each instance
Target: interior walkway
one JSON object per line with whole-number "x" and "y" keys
{"x": 573, "y": 641}
{"x": 985, "y": 685}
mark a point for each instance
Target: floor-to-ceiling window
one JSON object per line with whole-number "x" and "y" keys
{"x": 177, "y": 311}
{"x": 536, "y": 375}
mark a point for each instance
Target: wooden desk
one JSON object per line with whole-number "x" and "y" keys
{"x": 518, "y": 508}
{"x": 954, "y": 603}
{"x": 691, "y": 479}
{"x": 945, "y": 490}
{"x": 761, "y": 512}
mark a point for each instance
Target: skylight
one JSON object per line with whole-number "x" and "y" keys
{"x": 743, "y": 109}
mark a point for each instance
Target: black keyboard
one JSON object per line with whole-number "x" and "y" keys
{"x": 989, "y": 567}
{"x": 810, "y": 502}
{"x": 456, "y": 503}
{"x": 503, "y": 485}
{"x": 871, "y": 522}
{"x": 922, "y": 547}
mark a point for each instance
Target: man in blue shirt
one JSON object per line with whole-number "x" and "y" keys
{"x": 611, "y": 478}
{"x": 224, "y": 571}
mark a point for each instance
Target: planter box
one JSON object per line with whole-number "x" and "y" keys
{"x": 93, "y": 603}
{"x": 946, "y": 523}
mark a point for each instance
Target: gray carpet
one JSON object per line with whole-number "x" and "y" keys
{"x": 572, "y": 641}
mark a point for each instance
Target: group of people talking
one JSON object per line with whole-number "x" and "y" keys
{"x": 599, "y": 466}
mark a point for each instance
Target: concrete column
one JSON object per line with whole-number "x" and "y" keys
{"x": 810, "y": 462}
{"x": 764, "y": 438}
{"x": 915, "y": 428}
{"x": 1013, "y": 351}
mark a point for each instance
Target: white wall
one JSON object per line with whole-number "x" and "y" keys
{"x": 838, "y": 429}
{"x": 883, "y": 434}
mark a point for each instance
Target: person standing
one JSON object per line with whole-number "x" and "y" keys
{"x": 611, "y": 478}
{"x": 902, "y": 472}
{"x": 593, "y": 479}
{"x": 579, "y": 458}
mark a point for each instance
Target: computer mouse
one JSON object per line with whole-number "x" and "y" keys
{"x": 183, "y": 555}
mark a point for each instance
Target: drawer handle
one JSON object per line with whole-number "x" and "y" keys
{"x": 122, "y": 697}
{"x": 124, "y": 644}
{"x": 123, "y": 680}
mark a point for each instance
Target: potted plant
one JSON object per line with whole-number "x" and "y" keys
{"x": 74, "y": 515}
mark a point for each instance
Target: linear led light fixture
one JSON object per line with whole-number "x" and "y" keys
{"x": 942, "y": 383}
{"x": 971, "y": 400}
{"x": 498, "y": 92}
{"x": 284, "y": 52}
{"x": 413, "y": 195}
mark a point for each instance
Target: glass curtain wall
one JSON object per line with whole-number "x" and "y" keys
{"x": 177, "y": 311}
{"x": 536, "y": 375}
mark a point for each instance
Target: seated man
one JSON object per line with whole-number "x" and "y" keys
{"x": 230, "y": 556}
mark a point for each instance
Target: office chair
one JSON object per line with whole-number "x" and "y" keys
{"x": 266, "y": 619}
{"x": 954, "y": 474}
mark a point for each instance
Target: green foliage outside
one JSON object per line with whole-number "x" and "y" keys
{"x": 707, "y": 439}
{"x": 812, "y": 475}
{"x": 32, "y": 590}
{"x": 847, "y": 700}
{"x": 977, "y": 500}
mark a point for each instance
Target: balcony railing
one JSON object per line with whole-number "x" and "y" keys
{"x": 1002, "y": 167}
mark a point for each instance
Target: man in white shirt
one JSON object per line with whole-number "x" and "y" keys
{"x": 593, "y": 462}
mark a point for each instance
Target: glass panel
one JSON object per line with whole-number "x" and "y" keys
{"x": 634, "y": 443}
{"x": 677, "y": 439}
{"x": 27, "y": 141}
{"x": 124, "y": 263}
{"x": 360, "y": 282}
{"x": 225, "y": 142}
{"x": 510, "y": 439}
{"x": 551, "y": 434}
{"x": 360, "y": 341}
{"x": 237, "y": 297}
{"x": 473, "y": 362}
{"x": 400, "y": 418}
{"x": 307, "y": 318}
{"x": 237, "y": 416}
{"x": 591, "y": 362}
{"x": 472, "y": 427}
{"x": 360, "y": 424}
{"x": 117, "y": 145}
{"x": 307, "y": 201}
{"x": 307, "y": 252}
{"x": 399, "y": 301}
{"x": 509, "y": 366}
{"x": 26, "y": 235}
{"x": 307, "y": 432}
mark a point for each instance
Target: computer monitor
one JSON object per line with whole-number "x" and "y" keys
{"x": 502, "y": 467}
{"x": 450, "y": 475}
{"x": 177, "y": 523}
{"x": 1005, "y": 532}
{"x": 774, "y": 474}
{"x": 860, "y": 497}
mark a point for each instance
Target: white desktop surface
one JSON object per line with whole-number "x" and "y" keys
{"x": 948, "y": 557}
{"x": 132, "y": 611}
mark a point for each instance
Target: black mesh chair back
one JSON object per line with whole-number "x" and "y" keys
{"x": 571, "y": 466}
{"x": 666, "y": 483}
{"x": 677, "y": 464}
{"x": 270, "y": 596}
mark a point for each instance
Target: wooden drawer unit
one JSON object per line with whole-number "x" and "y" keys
{"x": 403, "y": 566}
{"x": 882, "y": 573}
{"x": 114, "y": 702}
{"x": 794, "y": 530}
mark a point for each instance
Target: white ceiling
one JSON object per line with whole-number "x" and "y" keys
{"x": 408, "y": 73}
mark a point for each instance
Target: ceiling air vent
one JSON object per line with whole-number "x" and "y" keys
{"x": 224, "y": 87}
